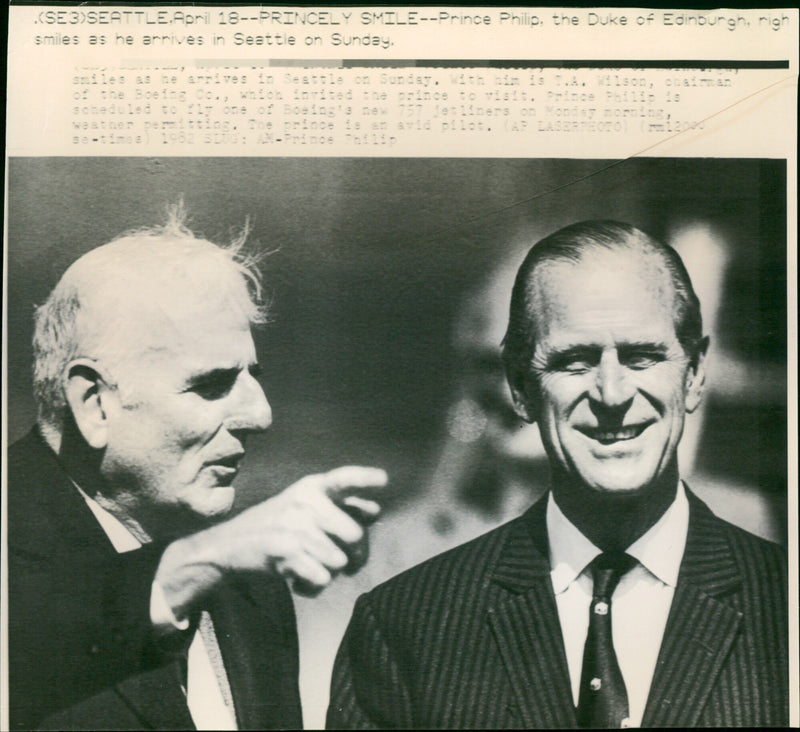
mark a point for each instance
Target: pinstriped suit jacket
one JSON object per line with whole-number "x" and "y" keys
{"x": 471, "y": 638}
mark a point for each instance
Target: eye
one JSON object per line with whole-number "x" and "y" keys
{"x": 577, "y": 361}
{"x": 215, "y": 386}
{"x": 576, "y": 366}
{"x": 640, "y": 358}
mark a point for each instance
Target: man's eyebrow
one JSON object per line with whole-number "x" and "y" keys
{"x": 568, "y": 351}
{"x": 571, "y": 351}
{"x": 576, "y": 350}
{"x": 568, "y": 347}
{"x": 561, "y": 354}
{"x": 650, "y": 346}
{"x": 220, "y": 374}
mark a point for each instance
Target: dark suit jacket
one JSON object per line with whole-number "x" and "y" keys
{"x": 80, "y": 639}
{"x": 471, "y": 639}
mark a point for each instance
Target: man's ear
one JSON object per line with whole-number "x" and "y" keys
{"x": 522, "y": 395}
{"x": 89, "y": 394}
{"x": 696, "y": 377}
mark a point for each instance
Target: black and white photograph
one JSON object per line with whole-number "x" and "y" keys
{"x": 397, "y": 442}
{"x": 377, "y": 367}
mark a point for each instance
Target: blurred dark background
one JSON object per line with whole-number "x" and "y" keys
{"x": 370, "y": 261}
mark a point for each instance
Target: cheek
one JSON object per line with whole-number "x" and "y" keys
{"x": 188, "y": 420}
{"x": 166, "y": 441}
{"x": 560, "y": 394}
{"x": 664, "y": 387}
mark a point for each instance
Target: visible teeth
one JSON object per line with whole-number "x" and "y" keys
{"x": 625, "y": 434}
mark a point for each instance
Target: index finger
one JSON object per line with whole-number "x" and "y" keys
{"x": 341, "y": 482}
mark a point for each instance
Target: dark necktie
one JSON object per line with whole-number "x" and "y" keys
{"x": 603, "y": 701}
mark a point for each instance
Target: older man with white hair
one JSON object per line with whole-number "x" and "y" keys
{"x": 134, "y": 600}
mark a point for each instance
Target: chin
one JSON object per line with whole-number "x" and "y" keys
{"x": 617, "y": 483}
{"x": 217, "y": 504}
{"x": 620, "y": 491}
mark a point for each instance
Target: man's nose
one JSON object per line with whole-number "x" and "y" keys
{"x": 250, "y": 409}
{"x": 613, "y": 386}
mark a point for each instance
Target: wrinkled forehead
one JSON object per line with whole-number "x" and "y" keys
{"x": 624, "y": 284}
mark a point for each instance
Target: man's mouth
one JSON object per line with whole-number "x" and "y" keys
{"x": 610, "y": 435}
{"x": 225, "y": 469}
{"x": 228, "y": 462}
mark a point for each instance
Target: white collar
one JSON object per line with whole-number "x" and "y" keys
{"x": 659, "y": 550}
{"x": 122, "y": 538}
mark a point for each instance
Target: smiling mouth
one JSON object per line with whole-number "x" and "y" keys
{"x": 607, "y": 436}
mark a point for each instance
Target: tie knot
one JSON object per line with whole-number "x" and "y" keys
{"x": 607, "y": 570}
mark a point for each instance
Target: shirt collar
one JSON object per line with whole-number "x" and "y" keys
{"x": 659, "y": 550}
{"x": 121, "y": 537}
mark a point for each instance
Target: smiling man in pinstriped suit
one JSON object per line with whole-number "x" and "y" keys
{"x": 618, "y": 599}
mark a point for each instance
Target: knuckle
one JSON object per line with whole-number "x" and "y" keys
{"x": 289, "y": 545}
{"x": 302, "y": 486}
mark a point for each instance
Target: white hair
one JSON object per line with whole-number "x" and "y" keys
{"x": 93, "y": 309}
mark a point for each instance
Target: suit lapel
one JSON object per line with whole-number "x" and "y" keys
{"x": 526, "y": 627}
{"x": 230, "y": 613}
{"x": 61, "y": 516}
{"x": 256, "y": 657}
{"x": 701, "y": 627}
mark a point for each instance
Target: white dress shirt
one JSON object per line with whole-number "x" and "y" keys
{"x": 203, "y": 694}
{"x": 640, "y": 603}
